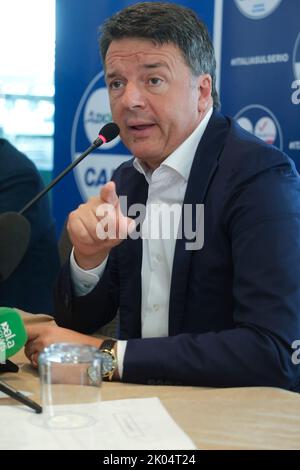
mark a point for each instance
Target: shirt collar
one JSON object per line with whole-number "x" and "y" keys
{"x": 182, "y": 158}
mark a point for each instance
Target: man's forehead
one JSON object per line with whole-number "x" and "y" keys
{"x": 141, "y": 52}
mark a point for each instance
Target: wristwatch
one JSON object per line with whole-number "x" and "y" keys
{"x": 109, "y": 359}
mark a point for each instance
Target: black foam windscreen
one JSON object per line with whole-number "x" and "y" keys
{"x": 110, "y": 131}
{"x": 14, "y": 240}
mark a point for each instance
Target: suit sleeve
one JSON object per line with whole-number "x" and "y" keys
{"x": 262, "y": 220}
{"x": 89, "y": 312}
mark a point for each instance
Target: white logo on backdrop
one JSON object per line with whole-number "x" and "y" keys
{"x": 296, "y": 58}
{"x": 261, "y": 122}
{"x": 97, "y": 113}
{"x": 92, "y": 113}
{"x": 257, "y": 9}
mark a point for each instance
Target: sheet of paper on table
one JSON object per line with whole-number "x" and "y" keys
{"x": 134, "y": 424}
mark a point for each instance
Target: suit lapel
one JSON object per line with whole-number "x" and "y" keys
{"x": 203, "y": 168}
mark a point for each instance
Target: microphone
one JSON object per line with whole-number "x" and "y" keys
{"x": 12, "y": 338}
{"x": 13, "y": 335}
{"x": 15, "y": 228}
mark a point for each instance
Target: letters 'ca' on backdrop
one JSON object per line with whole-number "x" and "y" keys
{"x": 258, "y": 52}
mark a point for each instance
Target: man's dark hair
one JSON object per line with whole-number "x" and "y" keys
{"x": 165, "y": 23}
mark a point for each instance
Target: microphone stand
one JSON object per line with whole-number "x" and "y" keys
{"x": 96, "y": 144}
{"x": 8, "y": 366}
{"x": 20, "y": 397}
{"x": 106, "y": 134}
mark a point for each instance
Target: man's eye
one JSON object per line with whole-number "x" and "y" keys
{"x": 115, "y": 85}
{"x": 155, "y": 81}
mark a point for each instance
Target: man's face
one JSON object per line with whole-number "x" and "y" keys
{"x": 154, "y": 98}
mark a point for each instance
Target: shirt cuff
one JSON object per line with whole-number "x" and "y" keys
{"x": 121, "y": 348}
{"x": 83, "y": 280}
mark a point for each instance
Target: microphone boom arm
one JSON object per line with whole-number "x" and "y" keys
{"x": 60, "y": 176}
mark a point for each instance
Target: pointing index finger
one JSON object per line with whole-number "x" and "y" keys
{"x": 108, "y": 193}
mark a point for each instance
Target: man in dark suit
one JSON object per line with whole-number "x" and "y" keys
{"x": 30, "y": 285}
{"x": 222, "y": 314}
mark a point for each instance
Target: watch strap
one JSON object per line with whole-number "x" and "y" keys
{"x": 107, "y": 344}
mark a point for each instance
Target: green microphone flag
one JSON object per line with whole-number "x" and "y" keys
{"x": 12, "y": 333}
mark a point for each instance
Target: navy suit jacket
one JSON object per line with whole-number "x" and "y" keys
{"x": 30, "y": 286}
{"x": 235, "y": 304}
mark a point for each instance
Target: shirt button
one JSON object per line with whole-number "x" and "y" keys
{"x": 156, "y": 307}
{"x": 159, "y": 258}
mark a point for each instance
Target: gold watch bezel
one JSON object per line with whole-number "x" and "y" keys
{"x": 111, "y": 352}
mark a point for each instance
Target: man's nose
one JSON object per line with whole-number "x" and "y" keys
{"x": 133, "y": 96}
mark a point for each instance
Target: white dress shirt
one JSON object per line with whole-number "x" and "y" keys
{"x": 167, "y": 185}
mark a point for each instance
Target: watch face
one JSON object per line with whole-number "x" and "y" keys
{"x": 108, "y": 363}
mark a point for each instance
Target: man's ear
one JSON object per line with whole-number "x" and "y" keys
{"x": 205, "y": 90}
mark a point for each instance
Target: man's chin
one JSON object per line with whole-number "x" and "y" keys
{"x": 143, "y": 151}
{"x": 144, "y": 154}
{"x": 151, "y": 161}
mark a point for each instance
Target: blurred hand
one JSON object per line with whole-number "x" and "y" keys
{"x": 97, "y": 226}
{"x": 40, "y": 336}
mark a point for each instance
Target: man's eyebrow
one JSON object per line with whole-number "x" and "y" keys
{"x": 110, "y": 75}
{"x": 155, "y": 65}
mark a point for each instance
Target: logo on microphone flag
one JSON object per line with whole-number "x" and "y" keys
{"x": 12, "y": 333}
{"x": 2, "y": 351}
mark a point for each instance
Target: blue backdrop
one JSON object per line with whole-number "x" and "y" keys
{"x": 258, "y": 49}
{"x": 260, "y": 69}
{"x": 81, "y": 101}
